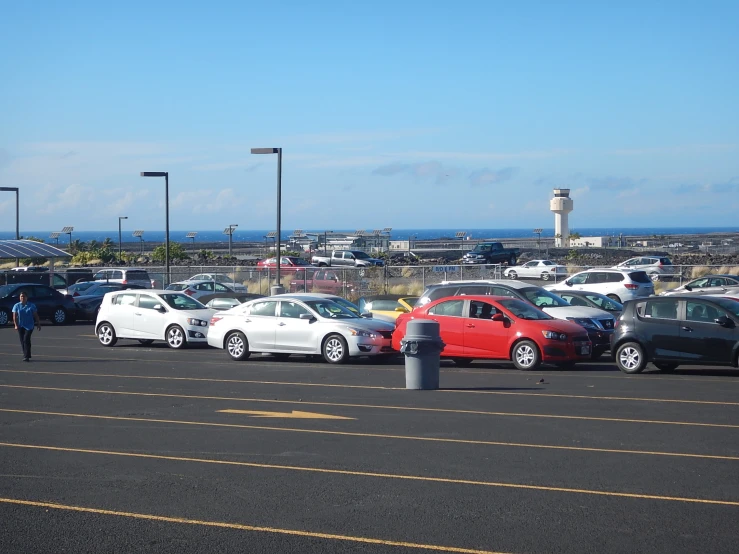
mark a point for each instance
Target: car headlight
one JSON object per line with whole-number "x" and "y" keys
{"x": 362, "y": 333}
{"x": 196, "y": 322}
{"x": 554, "y": 335}
{"x": 583, "y": 322}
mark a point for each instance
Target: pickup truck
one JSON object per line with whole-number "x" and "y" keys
{"x": 320, "y": 280}
{"x": 491, "y": 253}
{"x": 347, "y": 258}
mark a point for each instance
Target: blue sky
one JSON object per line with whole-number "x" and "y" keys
{"x": 405, "y": 114}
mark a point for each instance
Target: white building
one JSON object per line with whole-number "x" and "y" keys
{"x": 561, "y": 205}
{"x": 592, "y": 242}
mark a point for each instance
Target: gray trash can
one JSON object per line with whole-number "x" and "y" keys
{"x": 422, "y": 346}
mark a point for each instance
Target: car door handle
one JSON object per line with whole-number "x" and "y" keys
{"x": 247, "y": 320}
{"x": 137, "y": 313}
{"x": 281, "y": 324}
{"x": 685, "y": 328}
{"x": 470, "y": 325}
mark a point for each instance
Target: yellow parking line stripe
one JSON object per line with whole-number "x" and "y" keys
{"x": 381, "y": 475}
{"x": 380, "y": 407}
{"x": 379, "y": 435}
{"x": 243, "y": 527}
{"x": 371, "y": 387}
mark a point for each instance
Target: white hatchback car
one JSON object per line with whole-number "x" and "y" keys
{"x": 284, "y": 325}
{"x": 152, "y": 315}
{"x": 617, "y": 284}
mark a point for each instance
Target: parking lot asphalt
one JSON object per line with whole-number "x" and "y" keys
{"x": 147, "y": 449}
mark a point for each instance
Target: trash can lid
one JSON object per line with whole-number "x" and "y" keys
{"x": 419, "y": 329}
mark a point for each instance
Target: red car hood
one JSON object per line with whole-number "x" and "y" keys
{"x": 562, "y": 326}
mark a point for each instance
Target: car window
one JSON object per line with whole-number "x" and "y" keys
{"x": 729, "y": 304}
{"x": 664, "y": 309}
{"x": 177, "y": 286}
{"x": 79, "y": 287}
{"x": 665, "y": 261}
{"x": 482, "y": 310}
{"x": 699, "y": 283}
{"x": 605, "y": 303}
{"x": 220, "y": 288}
{"x": 530, "y": 264}
{"x": 292, "y": 310}
{"x": 615, "y": 277}
{"x": 473, "y": 289}
{"x": 639, "y": 277}
{"x": 387, "y": 305}
{"x": 116, "y": 275}
{"x": 574, "y": 300}
{"x": 329, "y": 308}
{"x": 148, "y": 302}
{"x": 522, "y": 309}
{"x": 204, "y": 286}
{"x": 578, "y": 279}
{"x": 42, "y": 292}
{"x": 137, "y": 275}
{"x": 223, "y": 303}
{"x": 541, "y": 297}
{"x": 127, "y": 299}
{"x": 179, "y": 301}
{"x": 502, "y": 291}
{"x": 441, "y": 292}
{"x": 450, "y": 307}
{"x": 700, "y": 311}
{"x": 266, "y": 308}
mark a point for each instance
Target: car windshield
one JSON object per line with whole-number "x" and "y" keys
{"x": 6, "y": 290}
{"x": 181, "y": 302}
{"x": 521, "y": 309}
{"x": 543, "y": 298}
{"x": 299, "y": 261}
{"x": 331, "y": 309}
{"x": 730, "y": 305}
{"x": 348, "y": 305}
{"x": 79, "y": 287}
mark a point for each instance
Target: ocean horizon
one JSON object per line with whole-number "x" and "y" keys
{"x": 245, "y": 235}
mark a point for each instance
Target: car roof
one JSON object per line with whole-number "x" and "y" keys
{"x": 717, "y": 275}
{"x": 611, "y": 270}
{"x": 477, "y": 298}
{"x": 517, "y": 285}
{"x": 154, "y": 291}
{"x": 385, "y": 297}
{"x": 304, "y": 295}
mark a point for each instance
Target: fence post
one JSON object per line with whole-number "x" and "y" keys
{"x": 423, "y": 276}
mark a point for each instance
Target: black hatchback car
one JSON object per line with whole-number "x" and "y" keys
{"x": 674, "y": 330}
{"x": 52, "y": 305}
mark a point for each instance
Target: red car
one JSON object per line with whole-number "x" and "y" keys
{"x": 287, "y": 263}
{"x": 500, "y": 328}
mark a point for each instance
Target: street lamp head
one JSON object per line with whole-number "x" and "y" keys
{"x": 154, "y": 173}
{"x": 122, "y": 217}
{"x": 9, "y": 189}
{"x": 265, "y": 150}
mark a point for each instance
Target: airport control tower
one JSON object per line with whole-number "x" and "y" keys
{"x": 561, "y": 205}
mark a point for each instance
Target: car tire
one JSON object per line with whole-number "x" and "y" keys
{"x": 545, "y": 276}
{"x": 512, "y": 260}
{"x": 654, "y": 276}
{"x": 462, "y": 362}
{"x": 614, "y": 297}
{"x": 237, "y": 346}
{"x": 175, "y": 337}
{"x": 59, "y": 316}
{"x": 106, "y": 334}
{"x": 146, "y": 342}
{"x": 4, "y": 317}
{"x": 630, "y": 358}
{"x": 666, "y": 367}
{"x": 512, "y": 275}
{"x": 335, "y": 350}
{"x": 525, "y": 355}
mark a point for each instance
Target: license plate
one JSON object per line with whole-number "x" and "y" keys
{"x": 585, "y": 349}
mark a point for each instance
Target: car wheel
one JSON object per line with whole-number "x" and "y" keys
{"x": 335, "y": 350}
{"x": 666, "y": 367}
{"x": 512, "y": 260}
{"x": 59, "y": 317}
{"x": 176, "y": 337}
{"x": 462, "y": 362}
{"x": 525, "y": 355}
{"x": 237, "y": 346}
{"x": 545, "y": 276}
{"x": 512, "y": 275}
{"x": 630, "y": 358}
{"x": 146, "y": 342}
{"x": 614, "y": 298}
{"x": 106, "y": 334}
{"x": 4, "y": 317}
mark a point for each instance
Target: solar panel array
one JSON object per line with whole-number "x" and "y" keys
{"x": 11, "y": 249}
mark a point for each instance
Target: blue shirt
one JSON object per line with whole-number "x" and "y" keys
{"x": 25, "y": 315}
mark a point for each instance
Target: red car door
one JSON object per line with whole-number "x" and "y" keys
{"x": 450, "y": 316}
{"x": 483, "y": 337}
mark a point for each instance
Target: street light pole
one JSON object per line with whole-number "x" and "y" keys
{"x": 538, "y": 239}
{"x": 230, "y": 232}
{"x": 277, "y": 288}
{"x": 119, "y": 236}
{"x": 164, "y": 174}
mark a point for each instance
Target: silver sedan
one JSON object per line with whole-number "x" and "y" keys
{"x": 285, "y": 325}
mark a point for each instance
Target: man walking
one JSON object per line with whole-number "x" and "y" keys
{"x": 24, "y": 317}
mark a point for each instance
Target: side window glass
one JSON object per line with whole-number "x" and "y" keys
{"x": 615, "y": 277}
{"x": 42, "y": 292}
{"x": 698, "y": 311}
{"x": 125, "y": 299}
{"x": 117, "y": 275}
{"x": 482, "y": 310}
{"x": 500, "y": 291}
{"x": 221, "y": 288}
{"x": 147, "y": 302}
{"x": 449, "y": 308}
{"x": 576, "y": 301}
{"x": 666, "y": 309}
{"x": 264, "y": 308}
{"x": 292, "y": 310}
{"x": 579, "y": 279}
{"x": 473, "y": 289}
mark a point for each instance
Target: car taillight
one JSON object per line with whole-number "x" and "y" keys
{"x": 615, "y": 324}
{"x": 189, "y": 292}
{"x": 630, "y": 286}
{"x": 124, "y": 282}
{"x": 214, "y": 320}
{"x": 76, "y": 293}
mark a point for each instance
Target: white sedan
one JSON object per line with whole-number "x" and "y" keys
{"x": 196, "y": 289}
{"x": 308, "y": 325}
{"x": 220, "y": 278}
{"x": 537, "y": 269}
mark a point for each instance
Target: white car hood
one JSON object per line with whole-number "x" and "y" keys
{"x": 369, "y": 324}
{"x": 577, "y": 311}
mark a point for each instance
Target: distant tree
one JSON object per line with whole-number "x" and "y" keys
{"x": 108, "y": 242}
{"x": 176, "y": 252}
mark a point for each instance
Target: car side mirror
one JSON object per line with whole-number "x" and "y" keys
{"x": 498, "y": 317}
{"x": 568, "y": 283}
{"x": 368, "y": 315}
{"x": 401, "y": 310}
{"x": 724, "y": 321}
{"x": 688, "y": 287}
{"x": 159, "y": 308}
{"x": 306, "y": 316}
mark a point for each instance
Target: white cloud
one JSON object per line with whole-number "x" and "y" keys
{"x": 68, "y": 199}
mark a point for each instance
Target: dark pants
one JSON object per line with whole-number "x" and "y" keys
{"x": 25, "y": 336}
